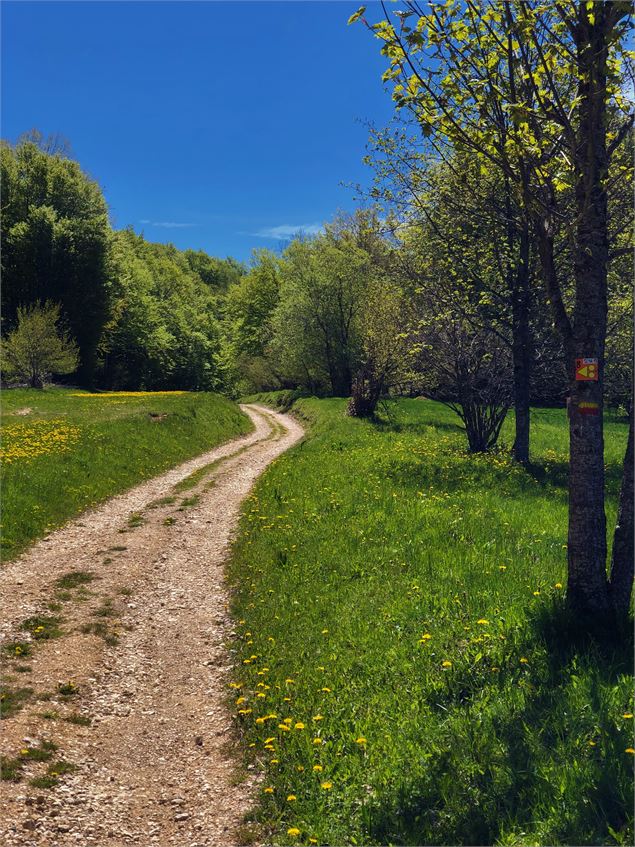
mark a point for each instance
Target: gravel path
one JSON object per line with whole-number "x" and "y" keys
{"x": 144, "y": 647}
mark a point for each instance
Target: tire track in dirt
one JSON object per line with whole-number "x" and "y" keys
{"x": 155, "y": 766}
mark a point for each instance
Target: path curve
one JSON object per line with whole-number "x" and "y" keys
{"x": 156, "y": 764}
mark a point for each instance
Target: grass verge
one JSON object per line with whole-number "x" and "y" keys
{"x": 405, "y": 669}
{"x": 64, "y": 453}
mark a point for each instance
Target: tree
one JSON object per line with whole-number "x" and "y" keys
{"x": 163, "y": 332}
{"x": 37, "y": 347}
{"x": 315, "y": 339}
{"x": 55, "y": 241}
{"x": 554, "y": 72}
{"x": 249, "y": 309}
{"x": 385, "y": 358}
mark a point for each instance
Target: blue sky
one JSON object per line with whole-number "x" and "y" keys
{"x": 214, "y": 125}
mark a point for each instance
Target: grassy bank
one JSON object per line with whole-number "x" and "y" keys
{"x": 405, "y": 671}
{"x": 63, "y": 453}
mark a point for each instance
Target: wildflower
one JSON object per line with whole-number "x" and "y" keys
{"x": 299, "y": 768}
{"x": 502, "y": 567}
{"x": 536, "y": 593}
{"x": 260, "y": 721}
{"x": 360, "y": 740}
{"x": 483, "y": 622}
{"x": 592, "y": 744}
{"x": 558, "y": 585}
{"x": 291, "y": 798}
{"x": 293, "y": 831}
{"x": 524, "y": 661}
{"x": 288, "y": 681}
{"x": 627, "y": 715}
{"x": 328, "y": 690}
{"x": 629, "y": 750}
{"x": 318, "y": 717}
{"x": 327, "y": 785}
{"x": 24, "y": 751}
{"x": 268, "y": 790}
{"x": 318, "y": 768}
{"x": 240, "y": 700}
{"x": 274, "y": 761}
{"x": 425, "y": 637}
{"x": 288, "y": 720}
{"x": 261, "y": 694}
{"x": 269, "y": 747}
{"x": 324, "y": 631}
{"x": 317, "y": 740}
{"x": 283, "y": 727}
{"x": 269, "y": 740}
{"x": 244, "y": 711}
{"x": 446, "y": 664}
{"x": 313, "y": 841}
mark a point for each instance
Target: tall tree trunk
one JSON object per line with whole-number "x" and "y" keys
{"x": 521, "y": 348}
{"x": 587, "y": 583}
{"x": 622, "y": 565}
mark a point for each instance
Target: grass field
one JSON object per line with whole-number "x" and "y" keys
{"x": 70, "y": 452}
{"x": 405, "y": 671}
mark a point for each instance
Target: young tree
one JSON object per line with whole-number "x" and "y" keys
{"x": 37, "y": 347}
{"x": 383, "y": 327}
{"x": 553, "y": 70}
{"x": 315, "y": 339}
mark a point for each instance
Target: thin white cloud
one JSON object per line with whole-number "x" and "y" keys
{"x": 284, "y": 232}
{"x": 166, "y": 224}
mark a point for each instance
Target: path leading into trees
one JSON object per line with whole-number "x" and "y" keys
{"x": 157, "y": 764}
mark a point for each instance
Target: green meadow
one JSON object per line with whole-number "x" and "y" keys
{"x": 405, "y": 671}
{"x": 63, "y": 453}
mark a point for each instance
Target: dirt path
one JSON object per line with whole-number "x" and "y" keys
{"x": 143, "y": 646}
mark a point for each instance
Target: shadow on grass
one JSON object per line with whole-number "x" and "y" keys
{"x": 524, "y": 769}
{"x": 556, "y": 475}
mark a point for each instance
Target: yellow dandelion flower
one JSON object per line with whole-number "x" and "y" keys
{"x": 327, "y": 690}
{"x": 318, "y": 717}
{"x": 327, "y": 786}
{"x": 627, "y": 715}
{"x": 269, "y": 740}
{"x": 293, "y": 831}
{"x": 283, "y": 727}
{"x": 317, "y": 740}
{"x": 425, "y": 637}
{"x": 318, "y": 768}
{"x": 299, "y": 768}
{"x": 291, "y": 798}
{"x": 268, "y": 790}
{"x": 360, "y": 740}
{"x": 446, "y": 664}
{"x": 240, "y": 700}
{"x": 558, "y": 585}
{"x": 299, "y": 725}
{"x": 524, "y": 661}
{"x": 629, "y": 750}
{"x": 260, "y": 721}
{"x": 483, "y": 622}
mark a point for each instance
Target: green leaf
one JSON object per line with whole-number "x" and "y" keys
{"x": 357, "y": 15}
